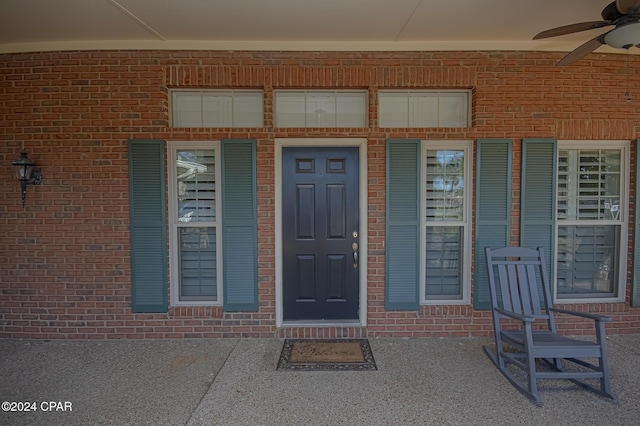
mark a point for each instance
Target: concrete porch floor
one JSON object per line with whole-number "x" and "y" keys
{"x": 235, "y": 382}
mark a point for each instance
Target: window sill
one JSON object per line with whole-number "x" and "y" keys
{"x": 580, "y": 301}
{"x": 195, "y": 304}
{"x": 444, "y": 302}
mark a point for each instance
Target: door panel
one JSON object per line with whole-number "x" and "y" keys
{"x": 336, "y": 207}
{"x": 320, "y": 212}
{"x": 305, "y": 212}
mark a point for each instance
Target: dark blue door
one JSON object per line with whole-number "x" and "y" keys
{"x": 320, "y": 233}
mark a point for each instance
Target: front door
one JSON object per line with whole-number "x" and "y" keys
{"x": 320, "y": 233}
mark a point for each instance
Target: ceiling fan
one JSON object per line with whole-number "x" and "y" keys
{"x": 624, "y": 14}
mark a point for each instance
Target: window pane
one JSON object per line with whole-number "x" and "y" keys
{"x": 445, "y": 185}
{"x": 187, "y": 110}
{"x": 321, "y": 110}
{"x": 290, "y": 109}
{"x": 589, "y": 184}
{"x": 196, "y": 185}
{"x": 444, "y": 263}
{"x": 587, "y": 260}
{"x": 351, "y": 110}
{"x": 217, "y": 110}
{"x": 247, "y": 109}
{"x": 423, "y": 110}
{"x": 197, "y": 263}
{"x": 393, "y": 110}
{"x": 453, "y": 110}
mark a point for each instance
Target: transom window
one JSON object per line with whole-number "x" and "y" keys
{"x": 217, "y": 108}
{"x": 427, "y": 108}
{"x": 195, "y": 239}
{"x": 591, "y": 226}
{"x": 315, "y": 108}
{"x": 446, "y": 222}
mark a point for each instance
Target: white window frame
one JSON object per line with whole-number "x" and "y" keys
{"x": 221, "y": 92}
{"x": 309, "y": 94}
{"x": 174, "y": 224}
{"x": 438, "y": 94}
{"x": 622, "y": 222}
{"x": 446, "y": 145}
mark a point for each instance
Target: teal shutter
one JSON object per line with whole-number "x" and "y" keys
{"x": 538, "y": 198}
{"x": 239, "y": 225}
{"x": 403, "y": 225}
{"x": 148, "y": 226}
{"x": 493, "y": 198}
{"x": 635, "y": 282}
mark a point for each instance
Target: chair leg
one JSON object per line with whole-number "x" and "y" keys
{"x": 496, "y": 359}
{"x": 531, "y": 373}
{"x": 602, "y": 367}
{"x": 605, "y": 381}
{"x": 530, "y": 360}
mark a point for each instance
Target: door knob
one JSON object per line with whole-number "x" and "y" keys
{"x": 354, "y": 247}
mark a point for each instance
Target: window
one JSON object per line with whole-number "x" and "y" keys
{"x": 217, "y": 108}
{"x": 446, "y": 222}
{"x": 398, "y": 109}
{"x": 302, "y": 108}
{"x": 591, "y": 225}
{"x": 195, "y": 232}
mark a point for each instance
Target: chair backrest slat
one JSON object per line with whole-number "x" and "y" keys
{"x": 533, "y": 289}
{"x": 513, "y": 289}
{"x": 504, "y": 287}
{"x": 523, "y": 289}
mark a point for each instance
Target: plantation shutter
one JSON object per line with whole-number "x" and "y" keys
{"x": 635, "y": 289}
{"x": 148, "y": 226}
{"x": 239, "y": 225}
{"x": 403, "y": 225}
{"x": 493, "y": 197}
{"x": 538, "y": 198}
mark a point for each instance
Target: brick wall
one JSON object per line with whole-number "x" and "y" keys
{"x": 64, "y": 259}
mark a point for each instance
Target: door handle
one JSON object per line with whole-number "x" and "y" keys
{"x": 354, "y": 246}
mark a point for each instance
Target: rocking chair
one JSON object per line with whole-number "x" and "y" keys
{"x": 529, "y": 332}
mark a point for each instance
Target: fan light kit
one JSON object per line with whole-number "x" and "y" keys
{"x": 624, "y": 36}
{"x": 623, "y": 14}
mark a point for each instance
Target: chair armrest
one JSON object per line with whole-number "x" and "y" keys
{"x": 523, "y": 318}
{"x": 594, "y": 317}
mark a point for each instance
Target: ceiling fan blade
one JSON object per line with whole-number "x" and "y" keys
{"x": 582, "y": 51}
{"x": 572, "y": 28}
{"x": 628, "y": 7}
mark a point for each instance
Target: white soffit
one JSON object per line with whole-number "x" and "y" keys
{"x": 368, "y": 25}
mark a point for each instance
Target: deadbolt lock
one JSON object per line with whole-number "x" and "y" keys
{"x": 354, "y": 234}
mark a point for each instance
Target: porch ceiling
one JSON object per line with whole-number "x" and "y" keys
{"x": 35, "y": 25}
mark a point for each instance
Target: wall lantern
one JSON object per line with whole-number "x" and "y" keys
{"x": 26, "y": 173}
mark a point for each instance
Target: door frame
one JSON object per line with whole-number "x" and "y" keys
{"x": 361, "y": 144}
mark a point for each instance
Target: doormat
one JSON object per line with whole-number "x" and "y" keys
{"x": 323, "y": 355}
